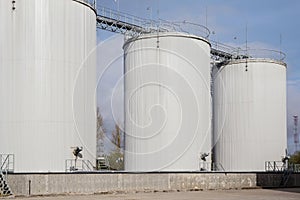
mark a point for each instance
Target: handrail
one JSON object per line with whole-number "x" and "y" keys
{"x": 4, "y": 162}
{"x": 274, "y": 166}
{"x": 191, "y": 28}
{"x": 222, "y": 47}
{"x": 7, "y": 162}
{"x": 261, "y": 53}
{"x": 93, "y": 3}
{"x": 204, "y": 166}
{"x": 88, "y": 165}
{"x": 78, "y": 165}
{"x": 279, "y": 166}
{"x": 116, "y": 21}
{"x": 297, "y": 168}
{"x": 218, "y": 167}
{"x": 146, "y": 25}
{"x": 120, "y": 16}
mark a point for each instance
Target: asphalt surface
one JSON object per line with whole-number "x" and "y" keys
{"x": 257, "y": 194}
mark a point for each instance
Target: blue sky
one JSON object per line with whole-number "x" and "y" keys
{"x": 266, "y": 20}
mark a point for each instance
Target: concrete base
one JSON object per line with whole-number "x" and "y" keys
{"x": 91, "y": 183}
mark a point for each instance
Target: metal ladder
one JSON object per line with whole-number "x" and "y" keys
{"x": 285, "y": 177}
{"x": 6, "y": 165}
{"x": 4, "y": 187}
{"x": 279, "y": 166}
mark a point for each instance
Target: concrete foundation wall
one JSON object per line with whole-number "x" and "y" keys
{"x": 50, "y": 184}
{"x": 274, "y": 180}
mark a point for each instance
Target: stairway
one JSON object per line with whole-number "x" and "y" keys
{"x": 102, "y": 163}
{"x": 218, "y": 167}
{"x": 4, "y": 188}
{"x": 285, "y": 178}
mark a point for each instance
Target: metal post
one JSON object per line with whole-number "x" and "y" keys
{"x": 29, "y": 187}
{"x": 296, "y": 138}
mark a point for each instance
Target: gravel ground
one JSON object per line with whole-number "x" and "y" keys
{"x": 257, "y": 194}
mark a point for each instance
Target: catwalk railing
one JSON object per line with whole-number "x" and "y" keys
{"x": 279, "y": 166}
{"x": 123, "y": 23}
{"x": 92, "y": 3}
{"x": 120, "y": 22}
{"x": 7, "y": 162}
{"x": 73, "y": 165}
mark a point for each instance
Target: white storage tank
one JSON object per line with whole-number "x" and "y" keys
{"x": 249, "y": 98}
{"x": 167, "y": 102}
{"x": 47, "y": 80}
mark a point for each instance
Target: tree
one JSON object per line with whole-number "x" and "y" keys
{"x": 100, "y": 134}
{"x": 295, "y": 158}
{"x": 116, "y": 137}
{"x": 116, "y": 156}
{"x": 116, "y": 160}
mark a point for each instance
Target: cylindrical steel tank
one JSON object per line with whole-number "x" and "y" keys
{"x": 47, "y": 82}
{"x": 167, "y": 102}
{"x": 249, "y": 101}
